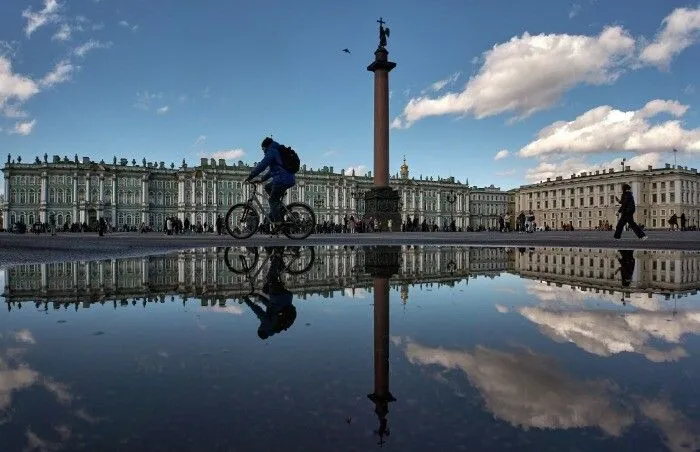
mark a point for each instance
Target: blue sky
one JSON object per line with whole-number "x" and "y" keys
{"x": 559, "y": 87}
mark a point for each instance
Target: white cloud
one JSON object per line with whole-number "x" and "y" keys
{"x": 679, "y": 30}
{"x": 8, "y": 49}
{"x": 529, "y": 390}
{"x": 676, "y": 427}
{"x": 92, "y": 44}
{"x": 25, "y": 336}
{"x": 63, "y": 33}
{"x": 575, "y": 165}
{"x": 128, "y": 26}
{"x": 575, "y": 9}
{"x": 228, "y": 309}
{"x": 606, "y": 333}
{"x": 530, "y": 73}
{"x": 440, "y": 84}
{"x": 162, "y": 110}
{"x": 14, "y": 86}
{"x": 40, "y": 18}
{"x": 503, "y": 153}
{"x": 502, "y": 309}
{"x": 229, "y": 154}
{"x": 605, "y": 129}
{"x": 360, "y": 170}
{"x": 200, "y": 140}
{"x": 61, "y": 73}
{"x": 13, "y": 112}
{"x": 24, "y": 128}
{"x": 145, "y": 99}
{"x": 689, "y": 89}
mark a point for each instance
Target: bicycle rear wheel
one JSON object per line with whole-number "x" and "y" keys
{"x": 241, "y": 260}
{"x": 242, "y": 220}
{"x": 298, "y": 259}
{"x": 299, "y": 221}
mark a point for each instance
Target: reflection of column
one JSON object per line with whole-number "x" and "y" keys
{"x": 381, "y": 395}
{"x": 44, "y": 278}
{"x": 381, "y": 263}
{"x": 87, "y": 273}
{"x": 144, "y": 271}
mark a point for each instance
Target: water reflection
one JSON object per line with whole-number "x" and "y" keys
{"x": 526, "y": 341}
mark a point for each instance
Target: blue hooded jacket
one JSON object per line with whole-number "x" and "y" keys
{"x": 273, "y": 160}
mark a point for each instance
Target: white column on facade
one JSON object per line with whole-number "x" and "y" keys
{"x": 88, "y": 266}
{"x": 74, "y": 269}
{"x": 181, "y": 268}
{"x": 102, "y": 273}
{"x": 114, "y": 200}
{"x": 87, "y": 189}
{"x": 144, "y": 271}
{"x": 75, "y": 218}
{"x": 144, "y": 199}
{"x": 102, "y": 190}
{"x": 114, "y": 273}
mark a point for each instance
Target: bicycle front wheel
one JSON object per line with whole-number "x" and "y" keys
{"x": 241, "y": 260}
{"x": 242, "y": 220}
{"x": 298, "y": 259}
{"x": 299, "y": 221}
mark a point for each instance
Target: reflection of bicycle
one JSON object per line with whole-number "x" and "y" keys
{"x": 244, "y": 260}
{"x": 243, "y": 219}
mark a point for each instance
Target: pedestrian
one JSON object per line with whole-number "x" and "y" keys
{"x": 626, "y": 212}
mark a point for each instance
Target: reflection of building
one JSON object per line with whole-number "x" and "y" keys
{"x": 129, "y": 194}
{"x": 654, "y": 272}
{"x": 203, "y": 274}
{"x": 588, "y": 200}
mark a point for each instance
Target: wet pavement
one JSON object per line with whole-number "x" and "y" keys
{"x": 29, "y": 248}
{"x": 353, "y": 348}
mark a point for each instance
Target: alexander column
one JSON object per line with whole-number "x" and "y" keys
{"x": 382, "y": 202}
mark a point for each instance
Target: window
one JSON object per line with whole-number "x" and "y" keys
{"x": 654, "y": 198}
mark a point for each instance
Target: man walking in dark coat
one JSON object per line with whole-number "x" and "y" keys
{"x": 626, "y": 212}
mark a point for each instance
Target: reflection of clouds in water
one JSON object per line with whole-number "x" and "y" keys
{"x": 16, "y": 375}
{"x": 528, "y": 390}
{"x": 234, "y": 309}
{"x": 605, "y": 333}
{"x": 502, "y": 309}
{"x": 570, "y": 295}
{"x": 677, "y": 429}
{"x": 25, "y": 336}
{"x": 355, "y": 293}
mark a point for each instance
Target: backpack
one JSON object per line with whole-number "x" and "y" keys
{"x": 290, "y": 159}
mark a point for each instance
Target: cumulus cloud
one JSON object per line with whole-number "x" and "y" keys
{"x": 35, "y": 20}
{"x": 441, "y": 84}
{"x": 679, "y": 30}
{"x": 14, "y": 87}
{"x": 63, "y": 33}
{"x": 606, "y": 333}
{"x": 92, "y": 44}
{"x": 229, "y": 154}
{"x": 575, "y": 9}
{"x": 575, "y": 165}
{"x": 229, "y": 309}
{"x": 677, "y": 429}
{"x": 145, "y": 99}
{"x": 24, "y": 128}
{"x": 162, "y": 110}
{"x": 529, "y": 390}
{"x": 128, "y": 26}
{"x": 61, "y": 73}
{"x": 24, "y": 336}
{"x": 503, "y": 153}
{"x": 360, "y": 170}
{"x": 605, "y": 129}
{"x": 530, "y": 73}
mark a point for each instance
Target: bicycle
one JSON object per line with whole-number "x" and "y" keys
{"x": 243, "y": 219}
{"x": 296, "y": 260}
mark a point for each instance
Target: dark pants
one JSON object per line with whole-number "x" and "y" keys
{"x": 627, "y": 219}
{"x": 276, "y": 193}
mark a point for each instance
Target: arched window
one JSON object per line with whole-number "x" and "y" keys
{"x": 60, "y": 196}
{"x": 68, "y": 218}
{"x": 120, "y": 219}
{"x": 22, "y": 196}
{"x": 21, "y": 218}
{"x": 108, "y": 196}
{"x": 129, "y": 219}
{"x": 159, "y": 198}
{"x": 81, "y": 194}
{"x": 69, "y": 197}
{"x": 13, "y": 196}
{"x": 52, "y": 195}
{"x": 31, "y": 197}
{"x": 59, "y": 219}
{"x": 130, "y": 198}
{"x": 13, "y": 219}
{"x": 31, "y": 218}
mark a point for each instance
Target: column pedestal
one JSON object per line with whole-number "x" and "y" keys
{"x": 382, "y": 203}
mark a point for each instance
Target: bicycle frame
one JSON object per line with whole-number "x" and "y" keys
{"x": 257, "y": 204}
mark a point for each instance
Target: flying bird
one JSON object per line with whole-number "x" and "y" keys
{"x": 346, "y": 50}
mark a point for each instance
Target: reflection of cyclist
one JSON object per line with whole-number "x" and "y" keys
{"x": 281, "y": 178}
{"x": 280, "y": 313}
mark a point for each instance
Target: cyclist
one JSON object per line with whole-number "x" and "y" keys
{"x": 282, "y": 180}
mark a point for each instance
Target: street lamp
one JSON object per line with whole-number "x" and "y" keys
{"x": 451, "y": 198}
